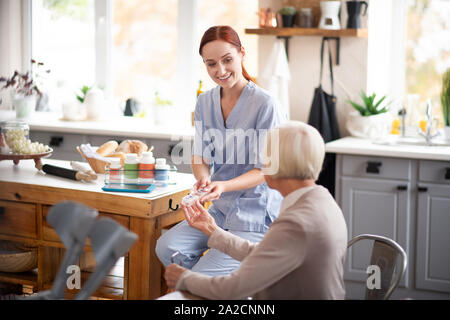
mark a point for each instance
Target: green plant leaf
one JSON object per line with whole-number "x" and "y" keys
{"x": 358, "y": 107}
{"x": 379, "y": 102}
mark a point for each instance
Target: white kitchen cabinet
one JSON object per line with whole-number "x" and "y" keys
{"x": 406, "y": 200}
{"x": 376, "y": 207}
{"x": 433, "y": 226}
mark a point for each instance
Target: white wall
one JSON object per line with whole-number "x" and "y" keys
{"x": 304, "y": 61}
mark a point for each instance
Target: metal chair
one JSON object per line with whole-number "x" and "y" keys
{"x": 72, "y": 222}
{"x": 109, "y": 241}
{"x": 385, "y": 254}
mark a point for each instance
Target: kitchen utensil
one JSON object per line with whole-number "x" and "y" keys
{"x": 64, "y": 172}
{"x": 306, "y": 18}
{"x": 330, "y": 15}
{"x": 354, "y": 12}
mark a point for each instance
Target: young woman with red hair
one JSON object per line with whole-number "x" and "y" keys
{"x": 236, "y": 110}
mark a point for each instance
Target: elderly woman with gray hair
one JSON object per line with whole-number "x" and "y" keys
{"x": 302, "y": 254}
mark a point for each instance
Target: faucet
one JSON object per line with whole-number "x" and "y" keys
{"x": 402, "y": 114}
{"x": 428, "y": 136}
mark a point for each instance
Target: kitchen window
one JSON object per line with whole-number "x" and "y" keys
{"x": 427, "y": 52}
{"x": 408, "y": 51}
{"x": 133, "y": 49}
{"x": 63, "y": 38}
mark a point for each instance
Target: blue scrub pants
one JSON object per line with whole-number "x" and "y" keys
{"x": 192, "y": 243}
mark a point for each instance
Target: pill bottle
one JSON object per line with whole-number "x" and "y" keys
{"x": 146, "y": 168}
{"x": 161, "y": 172}
{"x": 130, "y": 168}
{"x": 113, "y": 172}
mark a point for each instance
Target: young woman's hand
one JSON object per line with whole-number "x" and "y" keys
{"x": 199, "y": 218}
{"x": 215, "y": 188}
{"x": 172, "y": 274}
{"x": 202, "y": 183}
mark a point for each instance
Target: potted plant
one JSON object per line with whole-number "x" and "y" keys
{"x": 23, "y": 92}
{"x": 370, "y": 119}
{"x": 288, "y": 15}
{"x": 445, "y": 102}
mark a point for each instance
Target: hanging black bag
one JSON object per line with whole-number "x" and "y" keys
{"x": 322, "y": 116}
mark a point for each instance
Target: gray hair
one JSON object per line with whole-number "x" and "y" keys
{"x": 299, "y": 154}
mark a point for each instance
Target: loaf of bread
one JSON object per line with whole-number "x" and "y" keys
{"x": 132, "y": 146}
{"x": 107, "y": 148}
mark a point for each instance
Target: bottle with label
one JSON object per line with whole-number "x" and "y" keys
{"x": 146, "y": 168}
{"x": 161, "y": 172}
{"x": 113, "y": 174}
{"x": 131, "y": 167}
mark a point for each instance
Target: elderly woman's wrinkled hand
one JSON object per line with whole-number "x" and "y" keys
{"x": 172, "y": 274}
{"x": 199, "y": 218}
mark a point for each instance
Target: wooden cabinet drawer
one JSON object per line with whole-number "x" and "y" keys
{"x": 434, "y": 171}
{"x": 376, "y": 167}
{"x": 18, "y": 219}
{"x": 49, "y": 234}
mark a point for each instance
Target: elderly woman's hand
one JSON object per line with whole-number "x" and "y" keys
{"x": 215, "y": 188}
{"x": 199, "y": 218}
{"x": 172, "y": 274}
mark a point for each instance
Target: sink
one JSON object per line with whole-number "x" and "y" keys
{"x": 399, "y": 141}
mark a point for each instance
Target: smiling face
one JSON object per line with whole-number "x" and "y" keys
{"x": 223, "y": 63}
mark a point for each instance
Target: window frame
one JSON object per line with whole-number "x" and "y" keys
{"x": 387, "y": 20}
{"x": 186, "y": 32}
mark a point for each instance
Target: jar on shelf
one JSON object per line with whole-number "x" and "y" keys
{"x": 306, "y": 18}
{"x": 14, "y": 135}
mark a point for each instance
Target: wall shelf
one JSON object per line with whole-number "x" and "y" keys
{"x": 289, "y": 32}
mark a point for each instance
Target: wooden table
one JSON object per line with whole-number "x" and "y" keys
{"x": 26, "y": 195}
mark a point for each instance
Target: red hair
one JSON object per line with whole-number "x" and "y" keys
{"x": 227, "y": 34}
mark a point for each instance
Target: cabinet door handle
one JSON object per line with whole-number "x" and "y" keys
{"x": 373, "y": 167}
{"x": 2, "y": 210}
{"x": 55, "y": 141}
{"x": 402, "y": 188}
{"x": 447, "y": 173}
{"x": 422, "y": 189}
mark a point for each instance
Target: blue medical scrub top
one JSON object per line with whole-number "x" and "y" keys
{"x": 234, "y": 148}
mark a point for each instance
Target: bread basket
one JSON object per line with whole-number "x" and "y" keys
{"x": 97, "y": 165}
{"x": 16, "y": 257}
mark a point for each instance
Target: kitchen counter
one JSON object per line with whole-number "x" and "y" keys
{"x": 359, "y": 146}
{"x": 111, "y": 126}
{"x": 27, "y": 195}
{"x": 26, "y": 173}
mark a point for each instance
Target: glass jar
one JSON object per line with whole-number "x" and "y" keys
{"x": 306, "y": 19}
{"x": 14, "y": 135}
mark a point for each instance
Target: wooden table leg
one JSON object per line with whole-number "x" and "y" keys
{"x": 144, "y": 267}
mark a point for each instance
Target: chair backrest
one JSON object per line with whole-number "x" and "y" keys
{"x": 109, "y": 241}
{"x": 385, "y": 254}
